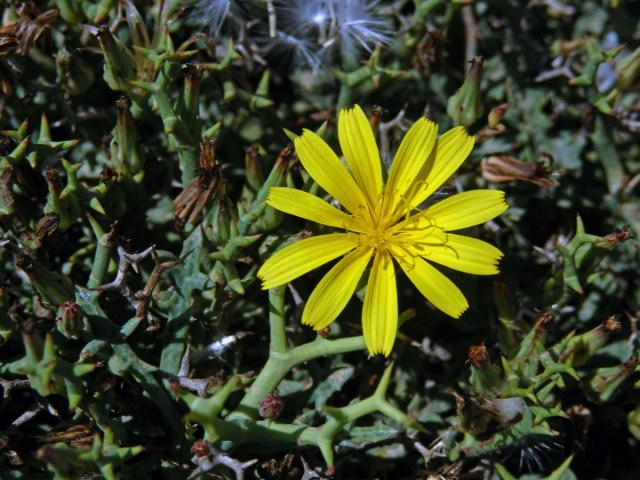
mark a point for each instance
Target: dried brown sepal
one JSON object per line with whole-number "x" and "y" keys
{"x": 429, "y": 52}
{"x": 21, "y": 34}
{"x": 78, "y": 436}
{"x": 47, "y": 226}
{"x": 505, "y": 168}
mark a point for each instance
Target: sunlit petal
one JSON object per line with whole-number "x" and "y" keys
{"x": 466, "y": 254}
{"x": 361, "y": 152}
{"x": 326, "y": 169}
{"x": 380, "y": 311}
{"x": 304, "y": 205}
{"x": 437, "y": 288}
{"x": 335, "y": 289}
{"x": 452, "y": 148}
{"x": 467, "y": 209}
{"x": 302, "y": 257}
{"x": 411, "y": 157}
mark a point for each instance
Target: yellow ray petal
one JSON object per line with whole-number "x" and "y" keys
{"x": 410, "y": 159}
{"x": 335, "y": 289}
{"x": 302, "y": 257}
{"x": 380, "y": 311}
{"x": 304, "y": 205}
{"x": 452, "y": 149}
{"x": 467, "y": 209}
{"x": 466, "y": 254}
{"x": 326, "y": 169}
{"x": 436, "y": 287}
{"x": 361, "y": 152}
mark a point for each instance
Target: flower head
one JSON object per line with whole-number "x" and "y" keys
{"x": 383, "y": 223}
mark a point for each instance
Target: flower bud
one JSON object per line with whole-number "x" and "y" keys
{"x": 200, "y": 448}
{"x": 125, "y": 146}
{"x": 376, "y": 117}
{"x": 496, "y": 114}
{"x": 69, "y": 319}
{"x": 615, "y": 238}
{"x": 252, "y": 168}
{"x": 465, "y": 106}
{"x": 271, "y": 406}
{"x": 606, "y": 381}
{"x": 582, "y": 347}
{"x": 485, "y": 377}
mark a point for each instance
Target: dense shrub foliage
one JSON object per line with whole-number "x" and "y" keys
{"x": 139, "y": 141}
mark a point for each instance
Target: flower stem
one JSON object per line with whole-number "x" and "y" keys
{"x": 277, "y": 322}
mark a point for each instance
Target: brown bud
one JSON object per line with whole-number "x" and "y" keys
{"x": 271, "y": 406}
{"x": 207, "y": 154}
{"x": 496, "y": 114}
{"x": 611, "y": 324}
{"x": 69, "y": 320}
{"x": 53, "y": 179}
{"x": 615, "y": 238}
{"x": 324, "y": 332}
{"x": 200, "y": 448}
{"x": 478, "y": 355}
{"x": 376, "y": 117}
{"x": 123, "y": 104}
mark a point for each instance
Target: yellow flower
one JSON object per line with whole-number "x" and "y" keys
{"x": 383, "y": 222}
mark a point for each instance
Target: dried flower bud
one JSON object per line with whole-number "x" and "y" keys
{"x": 200, "y": 448}
{"x": 376, "y": 117}
{"x": 496, "y": 114}
{"x": 271, "y": 406}
{"x": 478, "y": 355}
{"x": 505, "y": 168}
{"x": 465, "y": 106}
{"x": 324, "y": 332}
{"x": 253, "y": 170}
{"x": 485, "y": 377}
{"x": 615, "y": 238}
{"x": 606, "y": 381}
{"x": 69, "y": 319}
{"x": 582, "y": 347}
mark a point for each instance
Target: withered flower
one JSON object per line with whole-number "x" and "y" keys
{"x": 505, "y": 168}
{"x": 188, "y": 205}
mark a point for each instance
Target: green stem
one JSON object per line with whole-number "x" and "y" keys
{"x": 102, "y": 256}
{"x": 279, "y": 364}
{"x": 277, "y": 322}
{"x": 321, "y": 347}
{"x": 272, "y": 373}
